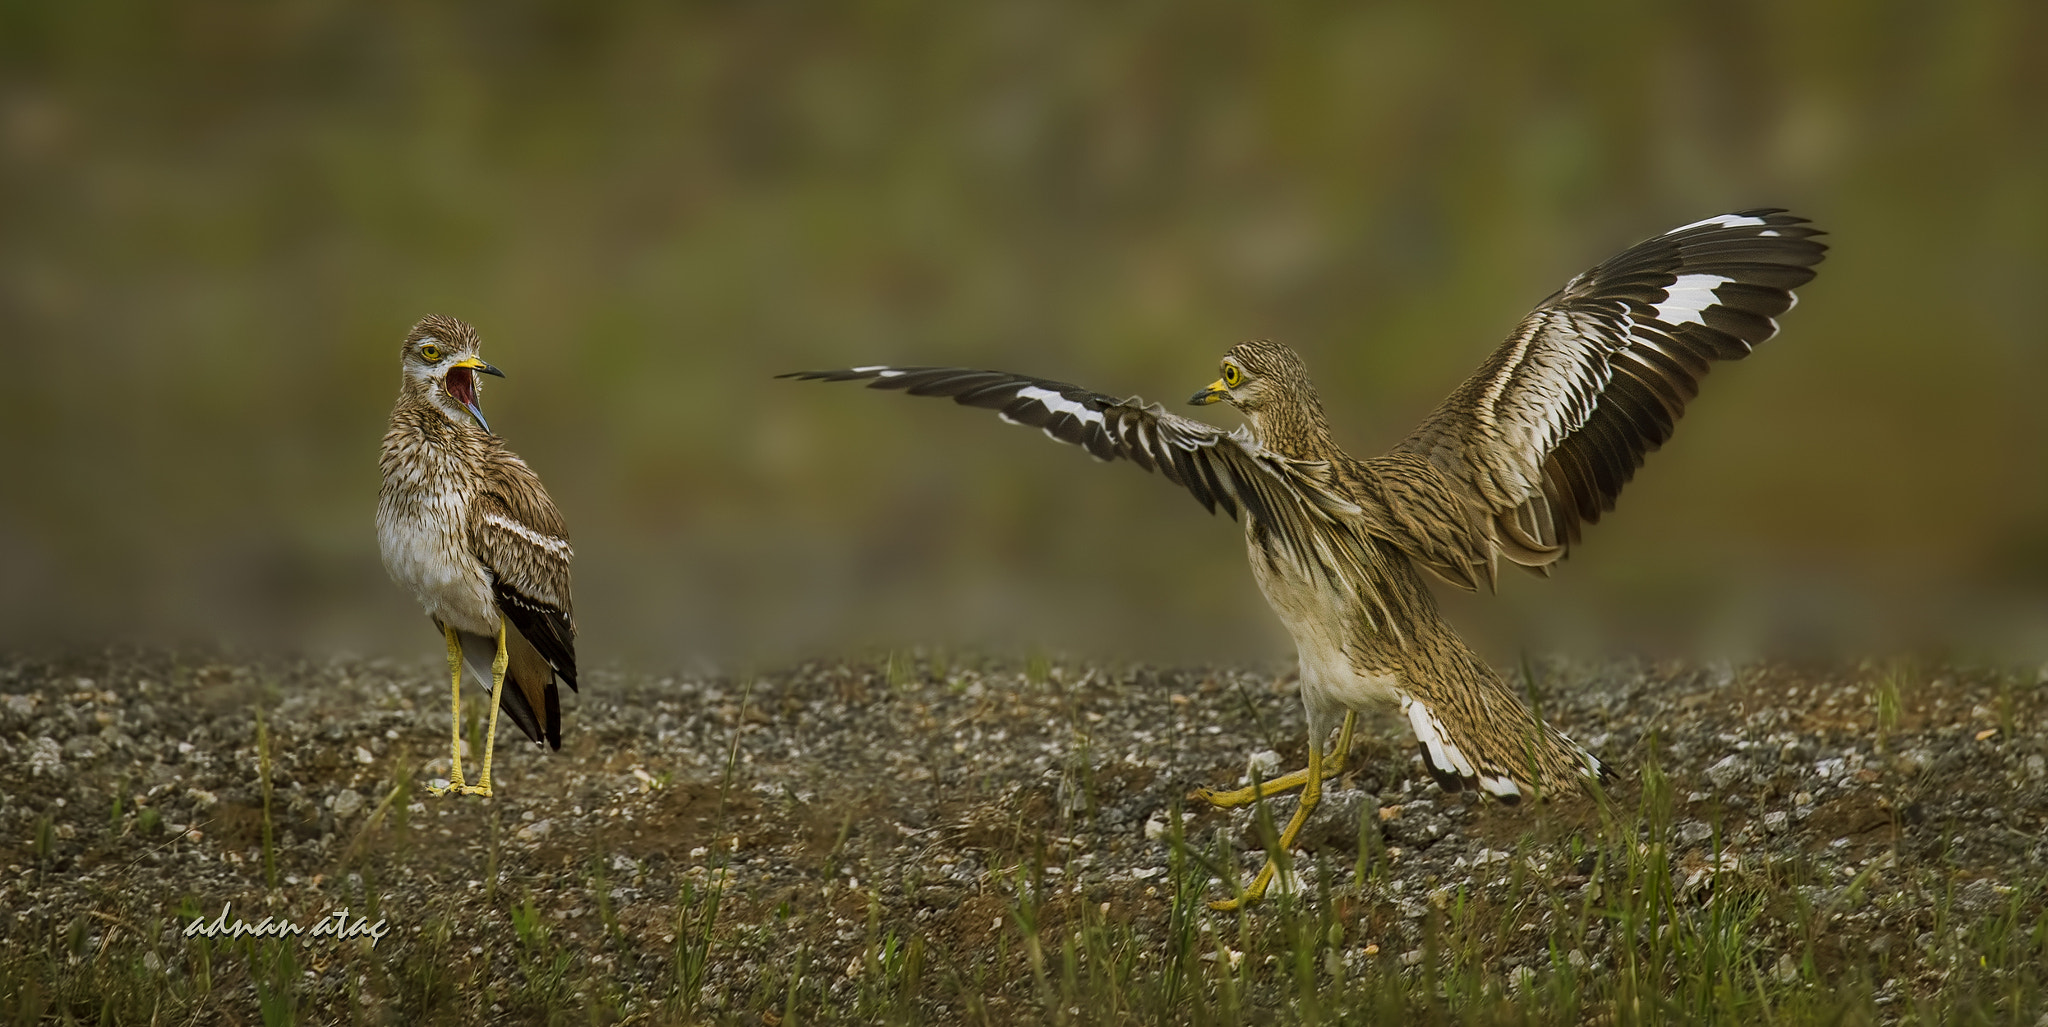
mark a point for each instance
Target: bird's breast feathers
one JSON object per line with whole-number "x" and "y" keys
{"x": 427, "y": 551}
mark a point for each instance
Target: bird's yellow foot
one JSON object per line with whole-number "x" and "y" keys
{"x": 1252, "y": 892}
{"x": 1252, "y": 793}
{"x": 1310, "y": 781}
{"x": 1284, "y": 783}
{"x": 483, "y": 789}
{"x": 454, "y": 785}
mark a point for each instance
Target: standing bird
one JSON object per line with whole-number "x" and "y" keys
{"x": 466, "y": 526}
{"x": 1537, "y": 443}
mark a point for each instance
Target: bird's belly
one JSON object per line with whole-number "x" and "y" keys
{"x": 424, "y": 553}
{"x": 1336, "y": 645}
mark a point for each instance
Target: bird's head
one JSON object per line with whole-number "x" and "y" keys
{"x": 441, "y": 367}
{"x": 1258, "y": 376}
{"x": 1268, "y": 383}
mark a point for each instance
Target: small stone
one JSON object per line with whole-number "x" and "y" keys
{"x": 1776, "y": 821}
{"x": 1156, "y": 826}
{"x": 534, "y": 831}
{"x": 363, "y": 756}
{"x": 345, "y": 802}
{"x": 45, "y": 756}
{"x": 1264, "y": 765}
{"x": 1787, "y": 969}
{"x": 1728, "y": 771}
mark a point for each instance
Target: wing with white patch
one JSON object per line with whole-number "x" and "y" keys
{"x": 517, "y": 533}
{"x": 1452, "y": 768}
{"x": 1297, "y": 502}
{"x": 1552, "y": 426}
{"x": 1457, "y": 767}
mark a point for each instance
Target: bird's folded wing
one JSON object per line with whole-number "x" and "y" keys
{"x": 517, "y": 533}
{"x": 1298, "y": 503}
{"x": 1543, "y": 437}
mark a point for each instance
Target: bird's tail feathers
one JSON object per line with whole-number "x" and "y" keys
{"x": 1504, "y": 761}
{"x": 532, "y": 698}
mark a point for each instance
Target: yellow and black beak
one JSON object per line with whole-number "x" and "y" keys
{"x": 461, "y": 381}
{"x": 477, "y": 364}
{"x": 1216, "y": 390}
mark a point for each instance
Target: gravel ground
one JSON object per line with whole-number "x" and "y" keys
{"x": 904, "y": 797}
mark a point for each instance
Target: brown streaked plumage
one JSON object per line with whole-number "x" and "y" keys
{"x": 466, "y": 526}
{"x": 1536, "y": 444}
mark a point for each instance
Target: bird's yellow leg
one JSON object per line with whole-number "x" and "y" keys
{"x": 455, "y": 703}
{"x": 483, "y": 787}
{"x": 1284, "y": 783}
{"x": 1311, "y": 794}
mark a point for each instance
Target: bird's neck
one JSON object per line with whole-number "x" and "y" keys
{"x": 1295, "y": 427}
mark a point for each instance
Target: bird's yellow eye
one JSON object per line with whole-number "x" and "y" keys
{"x": 1231, "y": 375}
{"x": 430, "y": 352}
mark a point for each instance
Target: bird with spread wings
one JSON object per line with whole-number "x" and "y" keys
{"x": 1534, "y": 446}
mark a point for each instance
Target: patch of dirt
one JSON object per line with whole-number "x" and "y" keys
{"x": 835, "y": 802}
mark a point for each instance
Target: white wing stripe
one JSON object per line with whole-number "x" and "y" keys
{"x": 1498, "y": 786}
{"x": 557, "y": 546}
{"x": 1059, "y": 404}
{"x": 1687, "y": 297}
{"x": 1441, "y": 751}
{"x": 1724, "y": 221}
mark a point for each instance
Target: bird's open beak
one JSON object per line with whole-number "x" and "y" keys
{"x": 463, "y": 386}
{"x": 1211, "y": 394}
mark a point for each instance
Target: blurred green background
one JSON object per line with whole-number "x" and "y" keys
{"x": 219, "y": 218}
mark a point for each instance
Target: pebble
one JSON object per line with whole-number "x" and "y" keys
{"x": 1727, "y": 771}
{"x": 1263, "y": 765}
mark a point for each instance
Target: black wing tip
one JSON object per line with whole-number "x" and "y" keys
{"x": 842, "y": 374}
{"x": 1448, "y": 780}
{"x": 554, "y": 715}
{"x": 1773, "y": 220}
{"x": 512, "y": 700}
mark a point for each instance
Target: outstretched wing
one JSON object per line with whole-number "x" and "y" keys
{"x": 1552, "y": 426}
{"x": 517, "y": 533}
{"x": 1297, "y": 505}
